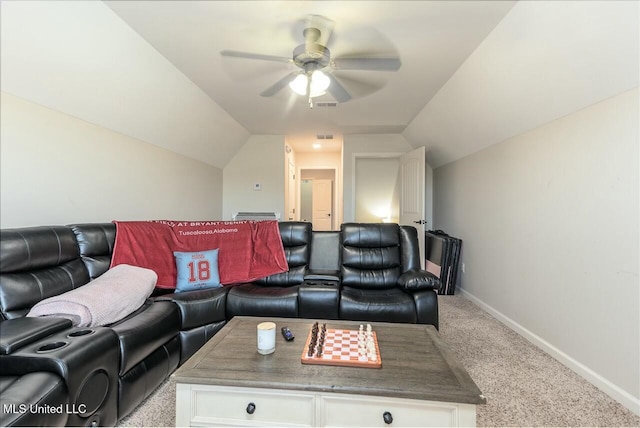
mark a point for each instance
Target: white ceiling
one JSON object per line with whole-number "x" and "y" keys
{"x": 545, "y": 60}
{"x": 473, "y": 73}
{"x": 432, "y": 39}
{"x": 79, "y": 58}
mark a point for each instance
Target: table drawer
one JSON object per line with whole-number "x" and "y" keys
{"x": 349, "y": 410}
{"x": 250, "y": 406}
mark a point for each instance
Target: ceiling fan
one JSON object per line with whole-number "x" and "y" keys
{"x": 316, "y": 77}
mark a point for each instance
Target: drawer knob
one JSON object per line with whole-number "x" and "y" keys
{"x": 388, "y": 418}
{"x": 251, "y": 408}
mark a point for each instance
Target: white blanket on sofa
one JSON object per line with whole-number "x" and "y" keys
{"x": 105, "y": 300}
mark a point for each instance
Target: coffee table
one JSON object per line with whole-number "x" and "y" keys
{"x": 227, "y": 382}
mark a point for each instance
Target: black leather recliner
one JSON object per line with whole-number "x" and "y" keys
{"x": 367, "y": 272}
{"x": 147, "y": 339}
{"x": 381, "y": 279}
{"x": 199, "y": 315}
{"x": 110, "y": 368}
{"x": 276, "y": 295}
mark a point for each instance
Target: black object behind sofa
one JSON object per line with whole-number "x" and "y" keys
{"x": 363, "y": 272}
{"x": 442, "y": 254}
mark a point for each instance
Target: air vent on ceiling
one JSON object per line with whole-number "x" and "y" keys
{"x": 326, "y": 104}
{"x": 324, "y": 137}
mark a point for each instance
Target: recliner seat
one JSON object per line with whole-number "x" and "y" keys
{"x": 276, "y": 295}
{"x": 21, "y": 394}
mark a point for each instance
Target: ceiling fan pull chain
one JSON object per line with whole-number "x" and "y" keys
{"x": 309, "y": 90}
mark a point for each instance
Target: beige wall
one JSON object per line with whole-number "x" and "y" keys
{"x": 317, "y": 174}
{"x": 377, "y": 187}
{"x": 260, "y": 161}
{"x": 549, "y": 221}
{"x": 362, "y": 144}
{"x": 57, "y": 169}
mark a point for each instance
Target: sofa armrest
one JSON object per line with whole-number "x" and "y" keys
{"x": 417, "y": 279}
{"x": 201, "y": 307}
{"x": 19, "y": 332}
{"x": 426, "y": 306}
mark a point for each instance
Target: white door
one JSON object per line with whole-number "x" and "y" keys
{"x": 412, "y": 210}
{"x": 322, "y": 217}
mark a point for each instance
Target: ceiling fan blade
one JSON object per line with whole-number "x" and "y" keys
{"x": 248, "y": 55}
{"x": 277, "y": 87}
{"x": 380, "y": 64}
{"x": 337, "y": 90}
{"x": 360, "y": 86}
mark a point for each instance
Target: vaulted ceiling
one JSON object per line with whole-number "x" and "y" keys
{"x": 432, "y": 40}
{"x": 472, "y": 73}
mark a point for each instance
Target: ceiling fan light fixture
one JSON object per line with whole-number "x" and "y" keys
{"x": 319, "y": 84}
{"x": 299, "y": 84}
{"x": 319, "y": 81}
{"x": 312, "y": 56}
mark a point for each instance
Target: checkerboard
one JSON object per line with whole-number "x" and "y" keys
{"x": 341, "y": 349}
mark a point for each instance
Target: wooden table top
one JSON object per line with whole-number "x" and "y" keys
{"x": 416, "y": 363}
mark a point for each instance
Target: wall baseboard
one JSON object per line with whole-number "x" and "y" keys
{"x": 621, "y": 396}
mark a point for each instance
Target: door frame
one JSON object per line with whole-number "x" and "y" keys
{"x": 291, "y": 191}
{"x": 337, "y": 215}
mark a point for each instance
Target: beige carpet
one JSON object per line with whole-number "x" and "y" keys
{"x": 524, "y": 386}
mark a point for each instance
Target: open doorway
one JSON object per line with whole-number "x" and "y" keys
{"x": 391, "y": 188}
{"x": 317, "y": 197}
{"x": 377, "y": 188}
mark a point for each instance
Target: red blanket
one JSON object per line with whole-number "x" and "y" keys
{"x": 248, "y": 250}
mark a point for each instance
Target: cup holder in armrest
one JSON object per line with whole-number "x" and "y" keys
{"x": 53, "y": 346}
{"x": 79, "y": 333}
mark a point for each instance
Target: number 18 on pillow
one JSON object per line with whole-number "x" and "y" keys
{"x": 197, "y": 270}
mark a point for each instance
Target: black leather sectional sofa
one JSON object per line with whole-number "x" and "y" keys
{"x": 52, "y": 373}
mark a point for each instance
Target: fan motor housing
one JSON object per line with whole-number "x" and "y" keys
{"x": 311, "y": 53}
